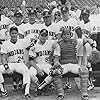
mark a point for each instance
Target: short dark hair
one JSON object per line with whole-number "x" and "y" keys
{"x": 44, "y": 31}
{"x": 13, "y": 28}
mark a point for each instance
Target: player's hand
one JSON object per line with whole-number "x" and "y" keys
{"x": 40, "y": 72}
{"x": 56, "y": 64}
{"x": 9, "y": 71}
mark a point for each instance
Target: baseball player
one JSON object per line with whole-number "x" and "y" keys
{"x": 40, "y": 59}
{"x": 69, "y": 61}
{"x": 18, "y": 17}
{"x": 67, "y": 22}
{"x": 13, "y": 52}
{"x": 32, "y": 29}
{"x": 47, "y": 17}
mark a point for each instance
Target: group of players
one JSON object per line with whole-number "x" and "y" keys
{"x": 51, "y": 42}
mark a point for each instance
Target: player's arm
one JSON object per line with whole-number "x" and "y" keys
{"x": 4, "y": 56}
{"x": 56, "y": 53}
{"x": 32, "y": 57}
{"x": 21, "y": 36}
{"x": 90, "y": 41}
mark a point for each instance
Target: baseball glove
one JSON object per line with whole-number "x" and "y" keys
{"x": 56, "y": 71}
{"x": 94, "y": 57}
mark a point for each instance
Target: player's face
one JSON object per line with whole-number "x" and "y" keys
{"x": 32, "y": 18}
{"x": 65, "y": 14}
{"x": 14, "y": 34}
{"x": 18, "y": 20}
{"x": 47, "y": 19}
{"x": 66, "y": 35}
{"x": 57, "y": 16}
{"x": 39, "y": 15}
{"x": 85, "y": 17}
{"x": 43, "y": 38}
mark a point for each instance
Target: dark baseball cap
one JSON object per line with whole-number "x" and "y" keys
{"x": 64, "y": 9}
{"x": 17, "y": 14}
{"x": 13, "y": 28}
{"x": 32, "y": 12}
{"x": 86, "y": 11}
{"x": 44, "y": 32}
{"x": 46, "y": 14}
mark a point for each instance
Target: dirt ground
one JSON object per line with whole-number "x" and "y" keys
{"x": 73, "y": 94}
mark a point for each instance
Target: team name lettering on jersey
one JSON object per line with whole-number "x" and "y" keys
{"x": 31, "y": 31}
{"x": 42, "y": 53}
{"x": 15, "y": 52}
{"x": 4, "y": 26}
{"x": 69, "y": 27}
{"x": 51, "y": 33}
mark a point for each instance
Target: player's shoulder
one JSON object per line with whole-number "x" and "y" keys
{"x": 6, "y": 43}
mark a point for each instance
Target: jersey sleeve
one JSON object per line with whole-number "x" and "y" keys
{"x": 79, "y": 47}
{"x": 4, "y": 48}
{"x": 32, "y": 52}
{"x": 56, "y": 49}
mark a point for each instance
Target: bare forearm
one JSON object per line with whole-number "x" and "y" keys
{"x": 32, "y": 63}
{"x": 4, "y": 59}
{"x": 56, "y": 59}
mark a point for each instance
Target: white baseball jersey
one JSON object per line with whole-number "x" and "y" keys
{"x": 3, "y": 29}
{"x": 97, "y": 22}
{"x": 90, "y": 26}
{"x": 71, "y": 24}
{"x": 15, "y": 51}
{"x": 41, "y": 53}
{"x": 51, "y": 31}
{"x": 31, "y": 31}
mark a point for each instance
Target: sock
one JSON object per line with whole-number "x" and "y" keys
{"x": 46, "y": 81}
{"x": 27, "y": 89}
{"x": 43, "y": 84}
{"x": 2, "y": 87}
{"x": 59, "y": 85}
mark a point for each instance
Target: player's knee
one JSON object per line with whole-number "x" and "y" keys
{"x": 84, "y": 73}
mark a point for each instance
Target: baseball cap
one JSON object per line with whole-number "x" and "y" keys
{"x": 44, "y": 32}
{"x": 64, "y": 9}
{"x": 46, "y": 14}
{"x": 13, "y": 28}
{"x": 17, "y": 14}
{"x": 32, "y": 12}
{"x": 86, "y": 11}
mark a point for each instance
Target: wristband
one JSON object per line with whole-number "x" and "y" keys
{"x": 92, "y": 45}
{"x": 6, "y": 66}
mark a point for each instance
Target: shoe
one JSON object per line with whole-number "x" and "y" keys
{"x": 15, "y": 88}
{"x": 60, "y": 97}
{"x": 90, "y": 87}
{"x": 85, "y": 97}
{"x": 27, "y": 97}
{"x": 68, "y": 86}
{"x": 20, "y": 87}
{"x": 38, "y": 92}
{"x": 4, "y": 94}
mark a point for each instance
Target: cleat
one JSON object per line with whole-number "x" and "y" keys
{"x": 4, "y": 94}
{"x": 90, "y": 87}
{"x": 15, "y": 88}
{"x": 85, "y": 97}
{"x": 60, "y": 97}
{"x": 27, "y": 97}
{"x": 38, "y": 92}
